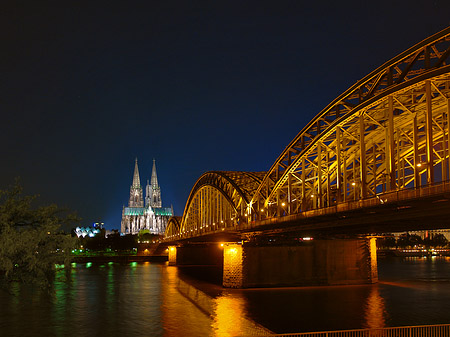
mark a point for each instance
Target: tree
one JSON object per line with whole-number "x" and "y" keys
{"x": 387, "y": 241}
{"x": 31, "y": 243}
{"x": 409, "y": 240}
{"x": 145, "y": 235}
{"x": 439, "y": 240}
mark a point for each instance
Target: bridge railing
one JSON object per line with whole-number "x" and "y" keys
{"x": 384, "y": 198}
{"x": 380, "y": 199}
{"x": 412, "y": 193}
{"x": 439, "y": 330}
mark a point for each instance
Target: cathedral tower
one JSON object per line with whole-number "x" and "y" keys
{"x": 153, "y": 191}
{"x": 136, "y": 195}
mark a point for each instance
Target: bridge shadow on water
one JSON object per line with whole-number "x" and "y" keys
{"x": 208, "y": 274}
{"x": 410, "y": 292}
{"x": 291, "y": 309}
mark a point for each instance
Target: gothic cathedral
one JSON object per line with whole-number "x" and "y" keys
{"x": 152, "y": 216}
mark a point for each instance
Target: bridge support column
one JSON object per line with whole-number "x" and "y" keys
{"x": 172, "y": 255}
{"x": 232, "y": 266}
{"x": 322, "y": 262}
{"x": 429, "y": 133}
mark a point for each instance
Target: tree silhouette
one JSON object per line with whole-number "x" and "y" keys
{"x": 31, "y": 243}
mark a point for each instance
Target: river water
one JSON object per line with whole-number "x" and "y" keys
{"x": 150, "y": 299}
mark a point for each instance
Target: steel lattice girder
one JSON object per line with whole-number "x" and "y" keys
{"x": 388, "y": 131}
{"x": 426, "y": 60}
{"x": 173, "y": 227}
{"x": 235, "y": 188}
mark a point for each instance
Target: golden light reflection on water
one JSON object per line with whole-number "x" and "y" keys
{"x": 375, "y": 309}
{"x": 188, "y": 311}
{"x": 181, "y": 316}
{"x": 228, "y": 311}
{"x": 229, "y": 318}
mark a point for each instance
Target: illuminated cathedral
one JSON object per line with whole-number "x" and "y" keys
{"x": 152, "y": 215}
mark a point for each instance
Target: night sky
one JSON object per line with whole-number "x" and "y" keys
{"x": 88, "y": 86}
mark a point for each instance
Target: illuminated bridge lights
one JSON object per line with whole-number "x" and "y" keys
{"x": 389, "y": 132}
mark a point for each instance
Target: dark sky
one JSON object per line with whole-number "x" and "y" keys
{"x": 87, "y": 86}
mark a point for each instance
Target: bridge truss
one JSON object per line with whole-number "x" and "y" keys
{"x": 390, "y": 131}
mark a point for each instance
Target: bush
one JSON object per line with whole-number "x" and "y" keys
{"x": 31, "y": 243}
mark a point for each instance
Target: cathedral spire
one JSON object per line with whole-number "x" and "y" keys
{"x": 136, "y": 180}
{"x": 154, "y": 177}
{"x": 153, "y": 191}
{"x": 136, "y": 197}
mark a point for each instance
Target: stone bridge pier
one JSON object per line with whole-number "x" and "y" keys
{"x": 319, "y": 262}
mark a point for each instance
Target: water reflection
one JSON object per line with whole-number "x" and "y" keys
{"x": 227, "y": 312}
{"x": 375, "y": 309}
{"x": 155, "y": 300}
{"x": 181, "y": 315}
{"x": 230, "y": 318}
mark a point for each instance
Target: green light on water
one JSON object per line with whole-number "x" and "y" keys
{"x": 110, "y": 263}
{"x": 88, "y": 265}
{"x": 73, "y": 264}
{"x": 133, "y": 264}
{"x": 59, "y": 266}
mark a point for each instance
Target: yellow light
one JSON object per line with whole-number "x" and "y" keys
{"x": 262, "y": 210}
{"x": 283, "y": 204}
{"x": 312, "y": 195}
{"x": 245, "y": 214}
{"x": 221, "y": 245}
{"x": 353, "y": 184}
{"x": 419, "y": 165}
{"x": 172, "y": 248}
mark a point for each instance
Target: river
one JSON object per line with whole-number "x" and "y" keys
{"x": 151, "y": 299}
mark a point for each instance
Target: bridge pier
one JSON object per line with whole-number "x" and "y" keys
{"x": 323, "y": 262}
{"x": 172, "y": 255}
{"x": 319, "y": 262}
{"x": 195, "y": 255}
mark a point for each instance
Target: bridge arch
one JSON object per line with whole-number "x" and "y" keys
{"x": 388, "y": 131}
{"x": 173, "y": 227}
{"x": 219, "y": 200}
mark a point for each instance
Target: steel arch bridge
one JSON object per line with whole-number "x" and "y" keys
{"x": 388, "y": 132}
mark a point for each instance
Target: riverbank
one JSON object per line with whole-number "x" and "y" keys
{"x": 120, "y": 258}
{"x": 413, "y": 252}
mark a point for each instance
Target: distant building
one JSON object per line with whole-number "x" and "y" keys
{"x": 152, "y": 215}
{"x": 98, "y": 225}
{"x": 87, "y": 231}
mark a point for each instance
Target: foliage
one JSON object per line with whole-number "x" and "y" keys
{"x": 413, "y": 240}
{"x": 145, "y": 235}
{"x": 437, "y": 240}
{"x": 114, "y": 241}
{"x": 387, "y": 241}
{"x": 30, "y": 239}
{"x": 409, "y": 240}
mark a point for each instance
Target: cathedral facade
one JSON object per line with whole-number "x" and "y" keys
{"x": 145, "y": 213}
